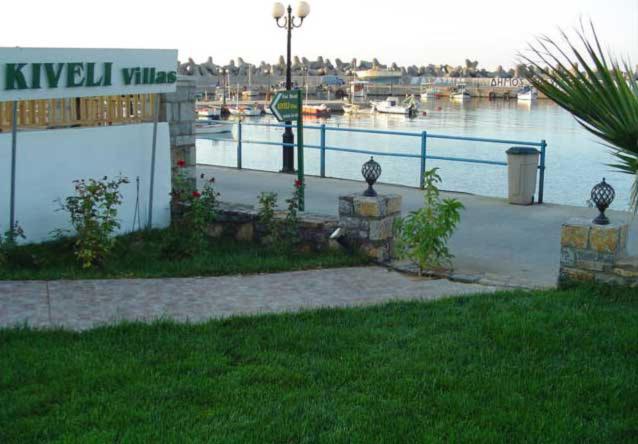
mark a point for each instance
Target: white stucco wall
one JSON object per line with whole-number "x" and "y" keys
{"x": 49, "y": 160}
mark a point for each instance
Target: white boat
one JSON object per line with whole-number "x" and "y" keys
{"x": 528, "y": 94}
{"x": 249, "y": 92}
{"x": 209, "y": 113}
{"x": 356, "y": 108}
{"x": 460, "y": 94}
{"x": 245, "y": 110}
{"x": 431, "y": 93}
{"x": 392, "y": 105}
{"x": 316, "y": 110}
{"x": 211, "y": 127}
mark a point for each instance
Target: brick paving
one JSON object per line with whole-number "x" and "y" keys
{"x": 80, "y": 305}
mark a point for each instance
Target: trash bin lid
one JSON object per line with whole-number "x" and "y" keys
{"x": 522, "y": 150}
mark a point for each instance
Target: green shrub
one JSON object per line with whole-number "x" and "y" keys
{"x": 8, "y": 244}
{"x": 280, "y": 233}
{"x": 266, "y": 217}
{"x": 93, "y": 211}
{"x": 422, "y": 235}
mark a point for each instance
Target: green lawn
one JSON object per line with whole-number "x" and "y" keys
{"x": 554, "y": 366}
{"x": 144, "y": 254}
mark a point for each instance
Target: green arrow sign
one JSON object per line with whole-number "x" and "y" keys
{"x": 285, "y": 105}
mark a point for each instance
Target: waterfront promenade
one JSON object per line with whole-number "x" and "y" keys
{"x": 502, "y": 244}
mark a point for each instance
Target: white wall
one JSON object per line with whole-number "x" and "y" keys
{"x": 49, "y": 160}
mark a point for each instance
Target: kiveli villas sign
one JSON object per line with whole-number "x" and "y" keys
{"x": 46, "y": 73}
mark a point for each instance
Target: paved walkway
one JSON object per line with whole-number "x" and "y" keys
{"x": 80, "y": 305}
{"x": 510, "y": 244}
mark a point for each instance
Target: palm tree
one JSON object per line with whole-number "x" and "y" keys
{"x": 602, "y": 95}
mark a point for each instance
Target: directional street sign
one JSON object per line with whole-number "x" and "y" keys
{"x": 285, "y": 105}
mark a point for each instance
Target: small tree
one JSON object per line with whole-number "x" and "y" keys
{"x": 423, "y": 234}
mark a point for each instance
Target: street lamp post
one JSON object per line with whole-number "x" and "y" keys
{"x": 279, "y": 12}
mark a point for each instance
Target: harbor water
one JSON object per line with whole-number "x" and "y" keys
{"x": 575, "y": 161}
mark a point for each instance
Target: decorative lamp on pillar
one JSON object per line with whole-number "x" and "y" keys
{"x": 371, "y": 171}
{"x": 602, "y": 195}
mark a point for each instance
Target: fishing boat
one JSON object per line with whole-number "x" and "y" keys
{"x": 392, "y": 105}
{"x": 316, "y": 110}
{"x": 207, "y": 126}
{"x": 431, "y": 93}
{"x": 249, "y": 92}
{"x": 210, "y": 113}
{"x": 245, "y": 110}
{"x": 527, "y": 94}
{"x": 356, "y": 108}
{"x": 460, "y": 94}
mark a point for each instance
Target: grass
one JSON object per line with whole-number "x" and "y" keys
{"x": 537, "y": 367}
{"x": 142, "y": 255}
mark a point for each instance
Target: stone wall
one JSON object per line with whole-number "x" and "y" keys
{"x": 596, "y": 253}
{"x": 368, "y": 223}
{"x": 242, "y": 223}
{"x": 178, "y": 109}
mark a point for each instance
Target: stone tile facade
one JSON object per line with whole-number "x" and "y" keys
{"x": 178, "y": 109}
{"x": 596, "y": 253}
{"x": 369, "y": 221}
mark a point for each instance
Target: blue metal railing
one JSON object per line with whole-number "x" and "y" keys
{"x": 423, "y": 155}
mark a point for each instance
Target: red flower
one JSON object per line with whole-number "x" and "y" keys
{"x": 298, "y": 183}
{"x": 181, "y": 163}
{"x": 197, "y": 194}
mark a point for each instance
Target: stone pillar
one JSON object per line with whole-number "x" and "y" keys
{"x": 590, "y": 253}
{"x": 178, "y": 109}
{"x": 368, "y": 223}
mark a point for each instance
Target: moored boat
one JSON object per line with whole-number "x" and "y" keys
{"x": 212, "y": 113}
{"x": 316, "y": 110}
{"x": 211, "y": 127}
{"x": 431, "y": 93}
{"x": 392, "y": 105}
{"x": 245, "y": 110}
{"x": 356, "y": 108}
{"x": 527, "y": 93}
{"x": 460, "y": 94}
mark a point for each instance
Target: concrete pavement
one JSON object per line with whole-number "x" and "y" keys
{"x": 507, "y": 244}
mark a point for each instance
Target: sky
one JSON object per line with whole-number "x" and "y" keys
{"x": 408, "y": 32}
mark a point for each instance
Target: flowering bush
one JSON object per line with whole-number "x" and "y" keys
{"x": 93, "y": 212}
{"x": 196, "y": 210}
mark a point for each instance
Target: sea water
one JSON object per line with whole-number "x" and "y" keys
{"x": 576, "y": 160}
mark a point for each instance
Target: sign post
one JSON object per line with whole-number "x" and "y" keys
{"x": 12, "y": 198}
{"x": 288, "y": 106}
{"x": 300, "y": 172}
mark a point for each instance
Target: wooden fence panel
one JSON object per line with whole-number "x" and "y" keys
{"x": 85, "y": 111}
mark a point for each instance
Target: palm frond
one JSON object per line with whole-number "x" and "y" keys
{"x": 600, "y": 92}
